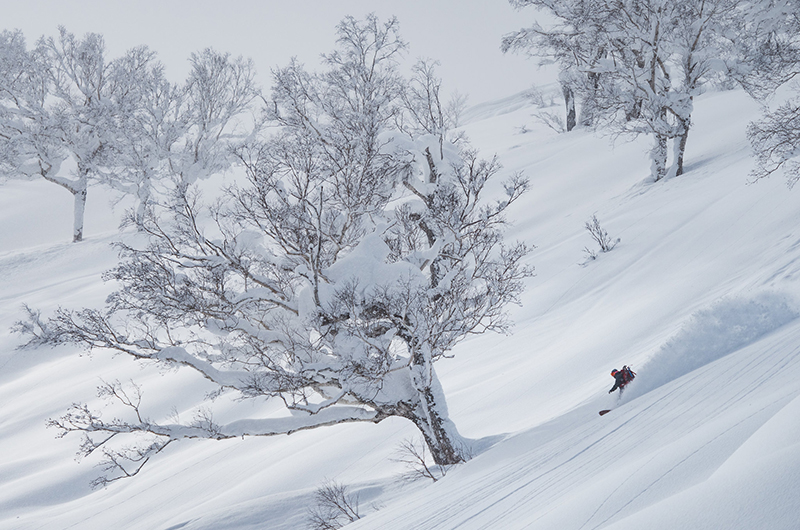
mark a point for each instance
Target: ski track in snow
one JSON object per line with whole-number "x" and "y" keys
{"x": 549, "y": 472}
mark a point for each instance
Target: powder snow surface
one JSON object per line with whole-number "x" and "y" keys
{"x": 701, "y": 297}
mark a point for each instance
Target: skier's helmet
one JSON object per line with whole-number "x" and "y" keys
{"x": 614, "y": 372}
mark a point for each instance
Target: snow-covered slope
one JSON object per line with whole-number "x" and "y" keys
{"x": 701, "y": 296}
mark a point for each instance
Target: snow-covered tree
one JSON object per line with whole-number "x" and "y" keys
{"x": 150, "y": 127}
{"x": 59, "y": 116}
{"x": 217, "y": 113}
{"x": 574, "y": 42}
{"x": 644, "y": 62}
{"x": 776, "y": 142}
{"x": 776, "y": 137}
{"x": 353, "y": 259}
{"x": 765, "y": 51}
{"x": 73, "y": 117}
{"x": 82, "y": 120}
{"x": 176, "y": 134}
{"x": 424, "y": 109}
{"x": 23, "y": 91}
{"x": 640, "y": 96}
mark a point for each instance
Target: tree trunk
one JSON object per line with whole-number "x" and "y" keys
{"x": 143, "y": 194}
{"x": 431, "y": 418}
{"x": 569, "y": 102}
{"x": 589, "y": 106}
{"x": 658, "y": 158}
{"x": 678, "y": 150}
{"x": 79, "y": 194}
{"x": 635, "y": 111}
{"x": 78, "y": 188}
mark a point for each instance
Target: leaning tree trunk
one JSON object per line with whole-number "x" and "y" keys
{"x": 78, "y": 188}
{"x": 430, "y": 415}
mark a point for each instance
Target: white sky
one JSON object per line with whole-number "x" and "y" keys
{"x": 463, "y": 35}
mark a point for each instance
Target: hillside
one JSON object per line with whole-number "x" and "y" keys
{"x": 701, "y": 297}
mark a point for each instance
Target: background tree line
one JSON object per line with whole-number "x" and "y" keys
{"x": 635, "y": 66}
{"x": 74, "y": 117}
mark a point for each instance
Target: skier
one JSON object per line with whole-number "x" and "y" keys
{"x": 621, "y": 378}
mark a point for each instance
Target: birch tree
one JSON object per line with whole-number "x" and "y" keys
{"x": 151, "y": 127}
{"x": 776, "y": 136}
{"x": 424, "y": 109}
{"x": 76, "y": 119}
{"x": 174, "y": 134}
{"x": 23, "y": 91}
{"x": 574, "y": 42}
{"x": 776, "y": 142}
{"x": 60, "y": 121}
{"x": 82, "y": 121}
{"x": 353, "y": 259}
{"x": 646, "y": 61}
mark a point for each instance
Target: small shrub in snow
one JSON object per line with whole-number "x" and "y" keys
{"x": 333, "y": 507}
{"x": 551, "y": 119}
{"x": 417, "y": 460}
{"x": 599, "y": 234}
{"x": 534, "y": 95}
{"x": 591, "y": 255}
